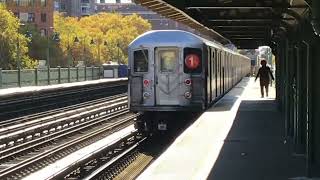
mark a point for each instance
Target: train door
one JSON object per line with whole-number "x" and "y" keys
{"x": 223, "y": 71}
{"x": 216, "y": 72}
{"x": 233, "y": 70}
{"x": 227, "y": 71}
{"x": 209, "y": 77}
{"x": 213, "y": 73}
{"x": 141, "y": 78}
{"x": 220, "y": 73}
{"x": 167, "y": 76}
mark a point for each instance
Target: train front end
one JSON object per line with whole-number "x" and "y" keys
{"x": 165, "y": 74}
{"x": 165, "y": 77}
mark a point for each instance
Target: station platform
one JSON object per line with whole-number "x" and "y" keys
{"x": 240, "y": 137}
{"x": 30, "y": 89}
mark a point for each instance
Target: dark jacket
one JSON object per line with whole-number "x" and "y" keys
{"x": 263, "y": 74}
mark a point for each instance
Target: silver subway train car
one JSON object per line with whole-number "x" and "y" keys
{"x": 173, "y": 70}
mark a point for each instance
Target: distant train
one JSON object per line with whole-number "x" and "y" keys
{"x": 172, "y": 71}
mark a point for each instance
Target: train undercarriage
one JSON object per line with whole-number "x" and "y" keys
{"x": 152, "y": 122}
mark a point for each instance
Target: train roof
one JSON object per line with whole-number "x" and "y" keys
{"x": 169, "y": 36}
{"x": 153, "y": 37}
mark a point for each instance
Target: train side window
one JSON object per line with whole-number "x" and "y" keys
{"x": 140, "y": 61}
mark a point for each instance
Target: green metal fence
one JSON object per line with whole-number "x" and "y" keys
{"x": 35, "y": 77}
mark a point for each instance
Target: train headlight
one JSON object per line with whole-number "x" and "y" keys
{"x": 146, "y": 95}
{"x": 187, "y": 82}
{"x": 192, "y": 61}
{"x": 187, "y": 95}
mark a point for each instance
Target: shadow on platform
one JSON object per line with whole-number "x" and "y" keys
{"x": 255, "y": 148}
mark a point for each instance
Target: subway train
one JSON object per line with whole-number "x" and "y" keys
{"x": 173, "y": 71}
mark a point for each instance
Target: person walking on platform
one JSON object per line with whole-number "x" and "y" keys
{"x": 264, "y": 74}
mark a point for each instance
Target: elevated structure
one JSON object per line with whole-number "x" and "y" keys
{"x": 292, "y": 29}
{"x": 157, "y": 21}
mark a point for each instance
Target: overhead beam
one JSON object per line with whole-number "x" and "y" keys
{"x": 249, "y": 43}
{"x": 242, "y": 26}
{"x": 246, "y": 35}
{"x": 245, "y": 32}
{"x": 248, "y": 19}
{"x": 174, "y": 15}
{"x": 247, "y": 38}
{"x": 239, "y": 23}
{"x": 246, "y": 7}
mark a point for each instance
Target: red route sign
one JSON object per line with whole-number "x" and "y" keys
{"x": 192, "y": 61}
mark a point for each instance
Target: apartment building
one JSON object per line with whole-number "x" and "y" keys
{"x": 75, "y": 8}
{"x": 37, "y": 12}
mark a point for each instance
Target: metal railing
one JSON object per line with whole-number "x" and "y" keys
{"x": 38, "y": 77}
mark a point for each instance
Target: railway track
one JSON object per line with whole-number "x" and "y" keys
{"x": 101, "y": 159}
{"x": 127, "y": 164}
{"x": 22, "y": 104}
{"x": 134, "y": 160}
{"x": 125, "y": 159}
{"x": 19, "y": 120}
{"x": 34, "y": 144}
{"x": 33, "y": 128}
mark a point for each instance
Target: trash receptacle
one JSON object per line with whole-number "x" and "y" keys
{"x": 123, "y": 70}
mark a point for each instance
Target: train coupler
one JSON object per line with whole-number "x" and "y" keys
{"x": 162, "y": 126}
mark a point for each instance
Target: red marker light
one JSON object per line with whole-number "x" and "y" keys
{"x": 192, "y": 61}
{"x": 187, "y": 82}
{"x": 146, "y": 82}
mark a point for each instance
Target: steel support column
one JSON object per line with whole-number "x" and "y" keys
{"x": 315, "y": 104}
{"x": 308, "y": 110}
{"x": 287, "y": 87}
{"x": 278, "y": 75}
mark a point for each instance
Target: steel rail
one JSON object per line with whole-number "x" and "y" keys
{"x": 26, "y": 118}
{"x": 70, "y": 143}
{"x": 33, "y": 144}
{"x": 37, "y": 125}
{"x": 33, "y": 102}
{"x": 102, "y": 170}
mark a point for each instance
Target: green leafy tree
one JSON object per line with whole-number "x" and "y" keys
{"x": 38, "y": 46}
{"x": 111, "y": 34}
{"x": 9, "y": 38}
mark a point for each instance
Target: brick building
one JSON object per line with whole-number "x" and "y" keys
{"x": 37, "y": 12}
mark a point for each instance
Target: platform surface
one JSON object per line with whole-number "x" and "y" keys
{"x": 240, "y": 137}
{"x": 17, "y": 90}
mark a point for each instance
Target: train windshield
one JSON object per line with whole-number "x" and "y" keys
{"x": 140, "y": 61}
{"x": 168, "y": 60}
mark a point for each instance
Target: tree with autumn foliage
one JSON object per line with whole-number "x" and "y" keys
{"x": 98, "y": 38}
{"x": 9, "y": 38}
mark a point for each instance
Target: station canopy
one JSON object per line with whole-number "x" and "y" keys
{"x": 245, "y": 23}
